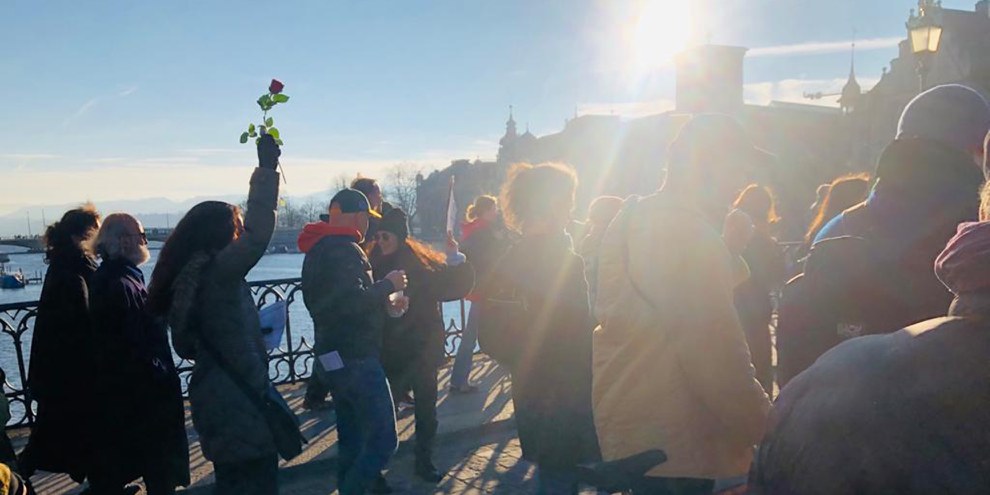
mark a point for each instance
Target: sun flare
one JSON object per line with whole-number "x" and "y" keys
{"x": 661, "y": 29}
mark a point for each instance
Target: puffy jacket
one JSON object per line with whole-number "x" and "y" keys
{"x": 347, "y": 306}
{"x": 673, "y": 372}
{"x": 230, "y": 426}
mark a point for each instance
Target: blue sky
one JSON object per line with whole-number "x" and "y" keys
{"x": 131, "y": 99}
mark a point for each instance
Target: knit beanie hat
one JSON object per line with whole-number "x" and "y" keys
{"x": 396, "y": 222}
{"x": 952, "y": 114}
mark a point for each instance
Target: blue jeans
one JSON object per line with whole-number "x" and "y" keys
{"x": 465, "y": 352}
{"x": 366, "y": 436}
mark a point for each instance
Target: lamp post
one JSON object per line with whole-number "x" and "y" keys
{"x": 925, "y": 34}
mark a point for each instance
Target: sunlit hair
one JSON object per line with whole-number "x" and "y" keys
{"x": 985, "y": 202}
{"x": 757, "y": 201}
{"x": 207, "y": 228}
{"x": 845, "y": 192}
{"x": 77, "y": 222}
{"x": 429, "y": 259}
{"x": 533, "y": 193}
{"x": 482, "y": 205}
{"x": 108, "y": 239}
{"x": 365, "y": 185}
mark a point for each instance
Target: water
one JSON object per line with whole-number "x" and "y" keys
{"x": 270, "y": 267}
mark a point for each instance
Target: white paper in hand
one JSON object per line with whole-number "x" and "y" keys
{"x": 331, "y": 361}
{"x": 273, "y": 318}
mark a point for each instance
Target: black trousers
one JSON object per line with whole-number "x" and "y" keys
{"x": 421, "y": 379}
{"x": 253, "y": 477}
{"x": 672, "y": 486}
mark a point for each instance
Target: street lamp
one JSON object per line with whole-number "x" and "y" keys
{"x": 925, "y": 33}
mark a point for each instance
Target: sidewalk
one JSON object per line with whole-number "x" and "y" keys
{"x": 476, "y": 442}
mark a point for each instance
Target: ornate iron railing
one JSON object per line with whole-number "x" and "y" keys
{"x": 291, "y": 362}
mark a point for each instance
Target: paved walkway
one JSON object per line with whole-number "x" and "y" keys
{"x": 476, "y": 445}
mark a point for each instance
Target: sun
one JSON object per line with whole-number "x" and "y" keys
{"x": 660, "y": 30}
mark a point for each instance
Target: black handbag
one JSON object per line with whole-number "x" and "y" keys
{"x": 282, "y": 422}
{"x": 501, "y": 333}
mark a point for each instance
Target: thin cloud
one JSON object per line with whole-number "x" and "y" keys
{"x": 815, "y": 48}
{"x": 86, "y": 107}
{"x": 127, "y": 91}
{"x": 794, "y": 90}
{"x": 28, "y": 156}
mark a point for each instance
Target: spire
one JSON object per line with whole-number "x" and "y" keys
{"x": 510, "y": 130}
{"x": 851, "y": 91}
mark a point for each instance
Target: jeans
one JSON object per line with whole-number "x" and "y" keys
{"x": 465, "y": 352}
{"x": 366, "y": 435}
{"x": 254, "y": 477}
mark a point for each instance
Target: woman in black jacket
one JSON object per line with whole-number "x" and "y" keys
{"x": 60, "y": 369}
{"x": 413, "y": 343}
{"x": 551, "y": 362}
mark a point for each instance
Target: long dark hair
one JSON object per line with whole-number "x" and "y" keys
{"x": 846, "y": 191}
{"x": 758, "y": 202}
{"x": 428, "y": 258}
{"x": 74, "y": 223}
{"x": 207, "y": 228}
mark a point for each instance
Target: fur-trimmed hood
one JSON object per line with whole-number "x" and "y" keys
{"x": 184, "y": 291}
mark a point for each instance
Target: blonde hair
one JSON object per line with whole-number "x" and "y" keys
{"x": 537, "y": 192}
{"x": 985, "y": 202}
{"x": 482, "y": 204}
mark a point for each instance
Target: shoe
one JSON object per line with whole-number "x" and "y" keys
{"x": 464, "y": 389}
{"x": 427, "y": 471}
{"x": 317, "y": 405}
{"x": 380, "y": 486}
{"x": 405, "y": 408}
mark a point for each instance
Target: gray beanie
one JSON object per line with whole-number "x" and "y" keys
{"x": 952, "y": 114}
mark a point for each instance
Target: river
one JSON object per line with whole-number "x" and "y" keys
{"x": 270, "y": 267}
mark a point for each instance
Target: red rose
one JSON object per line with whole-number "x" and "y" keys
{"x": 275, "y": 87}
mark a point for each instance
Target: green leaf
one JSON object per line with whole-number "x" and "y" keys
{"x": 244, "y": 138}
{"x": 265, "y": 102}
{"x": 280, "y": 98}
{"x": 269, "y": 122}
{"x": 253, "y": 134}
{"x": 274, "y": 132}
{"x": 257, "y": 140}
{"x": 251, "y": 129}
{"x": 278, "y": 142}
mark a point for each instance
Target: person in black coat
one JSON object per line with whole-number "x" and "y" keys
{"x": 413, "y": 343}
{"x": 139, "y": 412}
{"x": 551, "y": 371}
{"x": 60, "y": 367}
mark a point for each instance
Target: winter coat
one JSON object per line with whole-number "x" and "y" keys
{"x": 483, "y": 243}
{"x": 551, "y": 381}
{"x": 419, "y": 336}
{"x": 673, "y": 372}
{"x": 230, "y": 426}
{"x": 347, "y": 305}
{"x": 898, "y": 413}
{"x": 139, "y": 413}
{"x": 881, "y": 279}
{"x": 60, "y": 375}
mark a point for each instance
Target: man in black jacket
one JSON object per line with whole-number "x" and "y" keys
{"x": 349, "y": 312}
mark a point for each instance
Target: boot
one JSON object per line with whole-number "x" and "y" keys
{"x": 426, "y": 470}
{"x": 380, "y": 486}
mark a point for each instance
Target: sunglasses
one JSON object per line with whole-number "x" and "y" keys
{"x": 142, "y": 235}
{"x": 382, "y": 236}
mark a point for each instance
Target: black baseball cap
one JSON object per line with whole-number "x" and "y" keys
{"x": 353, "y": 201}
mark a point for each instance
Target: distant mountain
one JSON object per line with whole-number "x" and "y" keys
{"x": 153, "y": 212}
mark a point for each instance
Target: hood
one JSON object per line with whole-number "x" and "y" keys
{"x": 313, "y": 233}
{"x": 469, "y": 228}
{"x": 964, "y": 265}
{"x": 185, "y": 288}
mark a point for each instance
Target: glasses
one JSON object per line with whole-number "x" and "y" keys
{"x": 382, "y": 236}
{"x": 142, "y": 235}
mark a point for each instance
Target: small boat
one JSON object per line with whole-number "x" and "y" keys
{"x": 12, "y": 281}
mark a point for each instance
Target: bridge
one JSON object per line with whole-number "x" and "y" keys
{"x": 282, "y": 238}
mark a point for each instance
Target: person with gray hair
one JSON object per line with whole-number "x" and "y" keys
{"x": 140, "y": 414}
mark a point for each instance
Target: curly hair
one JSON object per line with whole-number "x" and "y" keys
{"x": 77, "y": 222}
{"x": 533, "y": 192}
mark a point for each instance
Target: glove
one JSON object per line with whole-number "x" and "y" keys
{"x": 268, "y": 152}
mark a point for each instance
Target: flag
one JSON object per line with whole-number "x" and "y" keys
{"x": 451, "y": 208}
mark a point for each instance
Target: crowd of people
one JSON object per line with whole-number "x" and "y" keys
{"x": 646, "y": 327}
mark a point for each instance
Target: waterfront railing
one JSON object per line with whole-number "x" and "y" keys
{"x": 290, "y": 362}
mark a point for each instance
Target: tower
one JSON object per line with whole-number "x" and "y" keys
{"x": 851, "y": 92}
